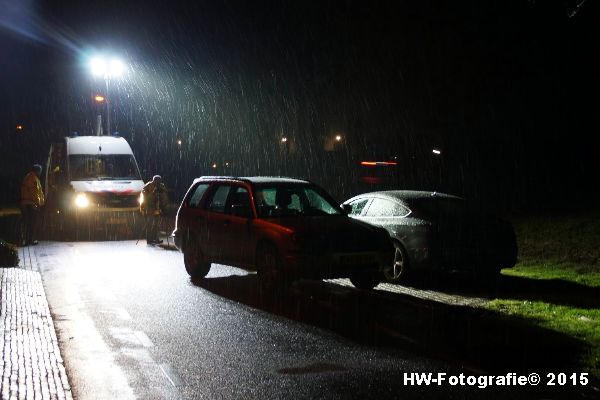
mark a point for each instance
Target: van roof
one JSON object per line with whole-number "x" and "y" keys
{"x": 97, "y": 145}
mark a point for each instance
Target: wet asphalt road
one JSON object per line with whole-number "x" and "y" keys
{"x": 131, "y": 324}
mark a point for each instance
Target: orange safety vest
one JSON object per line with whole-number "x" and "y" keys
{"x": 31, "y": 191}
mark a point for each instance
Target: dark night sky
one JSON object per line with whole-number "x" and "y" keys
{"x": 507, "y": 89}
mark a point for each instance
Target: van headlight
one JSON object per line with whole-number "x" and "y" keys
{"x": 81, "y": 200}
{"x": 141, "y": 199}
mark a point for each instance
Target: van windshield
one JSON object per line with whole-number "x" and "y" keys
{"x": 84, "y": 167}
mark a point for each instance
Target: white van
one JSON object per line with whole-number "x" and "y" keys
{"x": 94, "y": 179}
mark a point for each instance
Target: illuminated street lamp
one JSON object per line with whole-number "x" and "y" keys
{"x": 333, "y": 142}
{"x": 107, "y": 69}
{"x": 102, "y": 67}
{"x": 437, "y": 152}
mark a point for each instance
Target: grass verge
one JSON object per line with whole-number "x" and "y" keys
{"x": 580, "y": 323}
{"x": 563, "y": 250}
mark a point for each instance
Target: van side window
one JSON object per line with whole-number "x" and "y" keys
{"x": 197, "y": 195}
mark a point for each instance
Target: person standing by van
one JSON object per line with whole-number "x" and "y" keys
{"x": 154, "y": 203}
{"x": 32, "y": 198}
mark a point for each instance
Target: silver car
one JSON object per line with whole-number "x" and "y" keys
{"x": 436, "y": 232}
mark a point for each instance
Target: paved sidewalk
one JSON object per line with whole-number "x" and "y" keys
{"x": 32, "y": 367}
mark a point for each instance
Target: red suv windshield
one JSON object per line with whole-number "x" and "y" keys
{"x": 286, "y": 200}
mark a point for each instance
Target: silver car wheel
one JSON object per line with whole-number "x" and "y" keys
{"x": 397, "y": 270}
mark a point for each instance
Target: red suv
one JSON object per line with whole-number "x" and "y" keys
{"x": 283, "y": 228}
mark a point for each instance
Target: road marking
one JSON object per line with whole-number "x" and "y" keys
{"x": 170, "y": 374}
{"x": 143, "y": 339}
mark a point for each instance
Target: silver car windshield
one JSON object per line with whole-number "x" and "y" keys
{"x": 293, "y": 200}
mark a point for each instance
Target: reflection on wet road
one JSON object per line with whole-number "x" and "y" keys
{"x": 132, "y": 324}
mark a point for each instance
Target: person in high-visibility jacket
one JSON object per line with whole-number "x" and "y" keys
{"x": 153, "y": 204}
{"x": 32, "y": 199}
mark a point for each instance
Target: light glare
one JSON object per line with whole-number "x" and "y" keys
{"x": 98, "y": 66}
{"x": 116, "y": 67}
{"x": 81, "y": 200}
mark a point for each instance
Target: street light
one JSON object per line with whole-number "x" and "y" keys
{"x": 102, "y": 67}
{"x": 107, "y": 69}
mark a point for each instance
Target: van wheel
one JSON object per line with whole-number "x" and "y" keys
{"x": 398, "y": 271}
{"x": 193, "y": 259}
{"x": 270, "y": 268}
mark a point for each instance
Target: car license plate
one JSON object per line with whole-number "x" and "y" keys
{"x": 356, "y": 259}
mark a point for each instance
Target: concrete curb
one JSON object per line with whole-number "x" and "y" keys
{"x": 32, "y": 367}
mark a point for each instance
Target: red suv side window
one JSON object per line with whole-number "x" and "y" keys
{"x": 196, "y": 197}
{"x": 240, "y": 200}
{"x": 219, "y": 199}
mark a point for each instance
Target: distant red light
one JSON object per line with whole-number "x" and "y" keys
{"x": 374, "y": 163}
